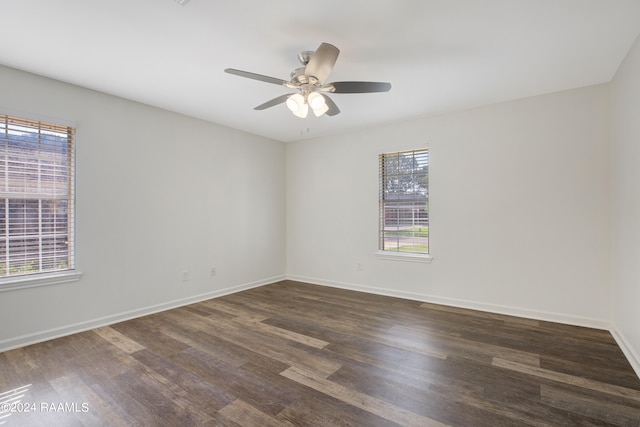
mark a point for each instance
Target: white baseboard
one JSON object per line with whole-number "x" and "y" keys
{"x": 62, "y": 331}
{"x": 632, "y": 356}
{"x": 472, "y": 305}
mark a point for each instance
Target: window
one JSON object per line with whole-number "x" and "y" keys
{"x": 36, "y": 197}
{"x": 404, "y": 202}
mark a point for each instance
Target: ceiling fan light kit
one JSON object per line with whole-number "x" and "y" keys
{"x": 309, "y": 80}
{"x": 299, "y": 104}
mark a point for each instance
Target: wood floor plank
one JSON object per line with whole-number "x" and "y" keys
{"x": 275, "y": 348}
{"x": 560, "y": 377}
{"x": 157, "y": 342}
{"x": 284, "y": 333}
{"x": 196, "y": 338}
{"x": 95, "y": 411}
{"x": 363, "y": 401}
{"x": 119, "y": 395}
{"x": 292, "y": 353}
{"x": 602, "y": 371}
{"x": 246, "y": 415}
{"x": 119, "y": 340}
{"x": 320, "y": 410}
{"x": 591, "y": 406}
{"x": 459, "y": 346}
{"x": 200, "y": 392}
{"x": 253, "y": 389}
{"x": 235, "y": 311}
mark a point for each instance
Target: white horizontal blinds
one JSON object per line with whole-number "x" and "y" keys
{"x": 404, "y": 201}
{"x": 36, "y": 196}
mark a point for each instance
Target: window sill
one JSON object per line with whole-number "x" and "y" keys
{"x": 398, "y": 256}
{"x": 32, "y": 281}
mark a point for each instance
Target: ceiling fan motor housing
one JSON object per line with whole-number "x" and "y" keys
{"x": 299, "y": 77}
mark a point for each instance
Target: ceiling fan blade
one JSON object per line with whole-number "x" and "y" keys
{"x": 333, "y": 108}
{"x": 255, "y": 76}
{"x": 275, "y": 101}
{"x": 359, "y": 87}
{"x": 322, "y": 61}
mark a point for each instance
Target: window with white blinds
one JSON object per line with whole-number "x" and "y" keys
{"x": 36, "y": 197}
{"x": 404, "y": 202}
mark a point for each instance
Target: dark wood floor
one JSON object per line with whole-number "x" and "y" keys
{"x": 298, "y": 354}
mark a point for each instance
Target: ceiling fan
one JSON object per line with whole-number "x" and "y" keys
{"x": 309, "y": 81}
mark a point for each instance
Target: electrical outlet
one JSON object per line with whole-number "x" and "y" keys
{"x": 213, "y": 271}
{"x": 358, "y": 266}
{"x": 185, "y": 276}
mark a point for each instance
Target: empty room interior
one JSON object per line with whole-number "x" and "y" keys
{"x": 336, "y": 213}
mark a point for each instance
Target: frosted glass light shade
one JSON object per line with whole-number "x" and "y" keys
{"x": 295, "y": 102}
{"x": 316, "y": 101}
{"x": 320, "y": 111}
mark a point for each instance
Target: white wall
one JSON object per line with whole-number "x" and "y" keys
{"x": 625, "y": 113}
{"x": 519, "y": 200}
{"x": 157, "y": 193}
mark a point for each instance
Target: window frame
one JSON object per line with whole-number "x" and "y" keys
{"x": 398, "y": 255}
{"x": 39, "y": 132}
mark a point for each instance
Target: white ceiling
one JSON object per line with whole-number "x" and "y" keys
{"x": 439, "y": 55}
